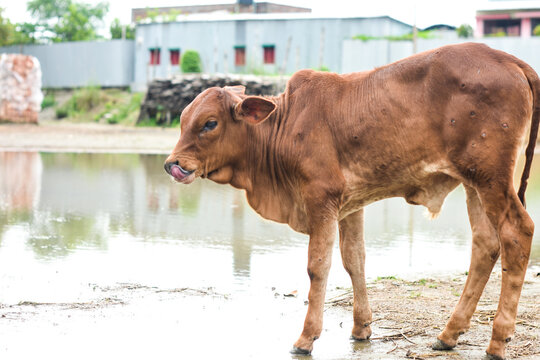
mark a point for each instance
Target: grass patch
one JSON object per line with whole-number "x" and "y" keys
{"x": 120, "y": 112}
{"x": 107, "y": 106}
{"x": 391, "y": 277}
{"x": 82, "y": 101}
{"x": 48, "y": 101}
{"x": 407, "y": 37}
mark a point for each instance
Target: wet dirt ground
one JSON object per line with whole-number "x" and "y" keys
{"x": 139, "y": 321}
{"x": 56, "y": 136}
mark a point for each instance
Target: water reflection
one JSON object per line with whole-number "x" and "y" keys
{"x": 240, "y": 246}
{"x": 69, "y": 202}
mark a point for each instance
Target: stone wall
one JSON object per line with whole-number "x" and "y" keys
{"x": 20, "y": 88}
{"x": 166, "y": 98}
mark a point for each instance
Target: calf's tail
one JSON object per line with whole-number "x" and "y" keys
{"x": 534, "y": 83}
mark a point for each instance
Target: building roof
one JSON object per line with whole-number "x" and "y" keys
{"x": 440, "y": 27}
{"x": 502, "y": 6}
{"x": 264, "y": 17}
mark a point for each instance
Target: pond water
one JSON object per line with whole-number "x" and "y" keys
{"x": 113, "y": 228}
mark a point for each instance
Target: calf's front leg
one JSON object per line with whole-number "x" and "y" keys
{"x": 321, "y": 240}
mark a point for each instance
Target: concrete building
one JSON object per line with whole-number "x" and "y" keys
{"x": 242, "y": 6}
{"x": 507, "y": 18}
{"x": 254, "y": 43}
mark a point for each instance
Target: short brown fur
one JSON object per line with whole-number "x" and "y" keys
{"x": 315, "y": 155}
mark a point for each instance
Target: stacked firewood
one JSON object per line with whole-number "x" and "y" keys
{"x": 20, "y": 88}
{"x": 166, "y": 98}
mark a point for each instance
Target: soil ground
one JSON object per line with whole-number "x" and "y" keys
{"x": 62, "y": 136}
{"x": 409, "y": 315}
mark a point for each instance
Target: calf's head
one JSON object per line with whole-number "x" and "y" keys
{"x": 213, "y": 130}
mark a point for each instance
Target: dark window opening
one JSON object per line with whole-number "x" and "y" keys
{"x": 502, "y": 27}
{"x": 269, "y": 54}
{"x": 174, "y": 56}
{"x": 239, "y": 55}
{"x": 155, "y": 58}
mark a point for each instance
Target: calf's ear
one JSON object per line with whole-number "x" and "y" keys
{"x": 254, "y": 109}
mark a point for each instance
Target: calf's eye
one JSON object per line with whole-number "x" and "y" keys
{"x": 210, "y": 125}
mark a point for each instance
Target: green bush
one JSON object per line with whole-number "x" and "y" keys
{"x": 364, "y": 37}
{"x": 536, "y": 31}
{"x": 425, "y": 34}
{"x": 500, "y": 33}
{"x": 116, "y": 112}
{"x": 86, "y": 98}
{"x": 191, "y": 62}
{"x": 465, "y": 31}
{"x": 48, "y": 101}
{"x": 82, "y": 101}
{"x": 62, "y": 112}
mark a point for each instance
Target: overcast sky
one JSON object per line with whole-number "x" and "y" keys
{"x": 426, "y": 12}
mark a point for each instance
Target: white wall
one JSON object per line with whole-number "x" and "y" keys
{"x": 361, "y": 55}
{"x": 82, "y": 63}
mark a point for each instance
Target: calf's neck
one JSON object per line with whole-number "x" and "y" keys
{"x": 315, "y": 155}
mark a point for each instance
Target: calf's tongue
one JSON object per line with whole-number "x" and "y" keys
{"x": 177, "y": 173}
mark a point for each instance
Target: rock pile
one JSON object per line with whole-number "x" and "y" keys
{"x": 20, "y": 88}
{"x": 165, "y": 99}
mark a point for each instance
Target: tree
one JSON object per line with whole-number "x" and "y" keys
{"x": 116, "y": 30}
{"x": 6, "y": 30}
{"x": 11, "y": 34}
{"x": 66, "y": 20}
{"x": 45, "y": 10}
{"x": 191, "y": 62}
{"x": 465, "y": 31}
{"x": 26, "y": 33}
{"x": 152, "y": 14}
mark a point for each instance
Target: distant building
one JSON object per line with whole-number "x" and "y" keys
{"x": 252, "y": 43}
{"x": 507, "y": 18}
{"x": 442, "y": 31}
{"x": 240, "y": 7}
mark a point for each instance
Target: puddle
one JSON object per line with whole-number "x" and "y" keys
{"x": 102, "y": 255}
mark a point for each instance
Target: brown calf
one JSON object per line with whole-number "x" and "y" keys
{"x": 315, "y": 155}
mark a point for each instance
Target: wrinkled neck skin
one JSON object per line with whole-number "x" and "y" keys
{"x": 268, "y": 169}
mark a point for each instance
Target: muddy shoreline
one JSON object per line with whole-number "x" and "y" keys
{"x": 55, "y": 136}
{"x": 87, "y": 137}
{"x": 410, "y": 314}
{"x": 407, "y": 315}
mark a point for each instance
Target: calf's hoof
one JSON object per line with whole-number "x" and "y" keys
{"x": 496, "y": 349}
{"x": 299, "y": 351}
{"x": 493, "y": 357}
{"x": 354, "y": 338}
{"x": 441, "y": 345}
{"x": 361, "y": 333}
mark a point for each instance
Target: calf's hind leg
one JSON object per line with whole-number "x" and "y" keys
{"x": 351, "y": 243}
{"x": 485, "y": 252}
{"x": 515, "y": 229}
